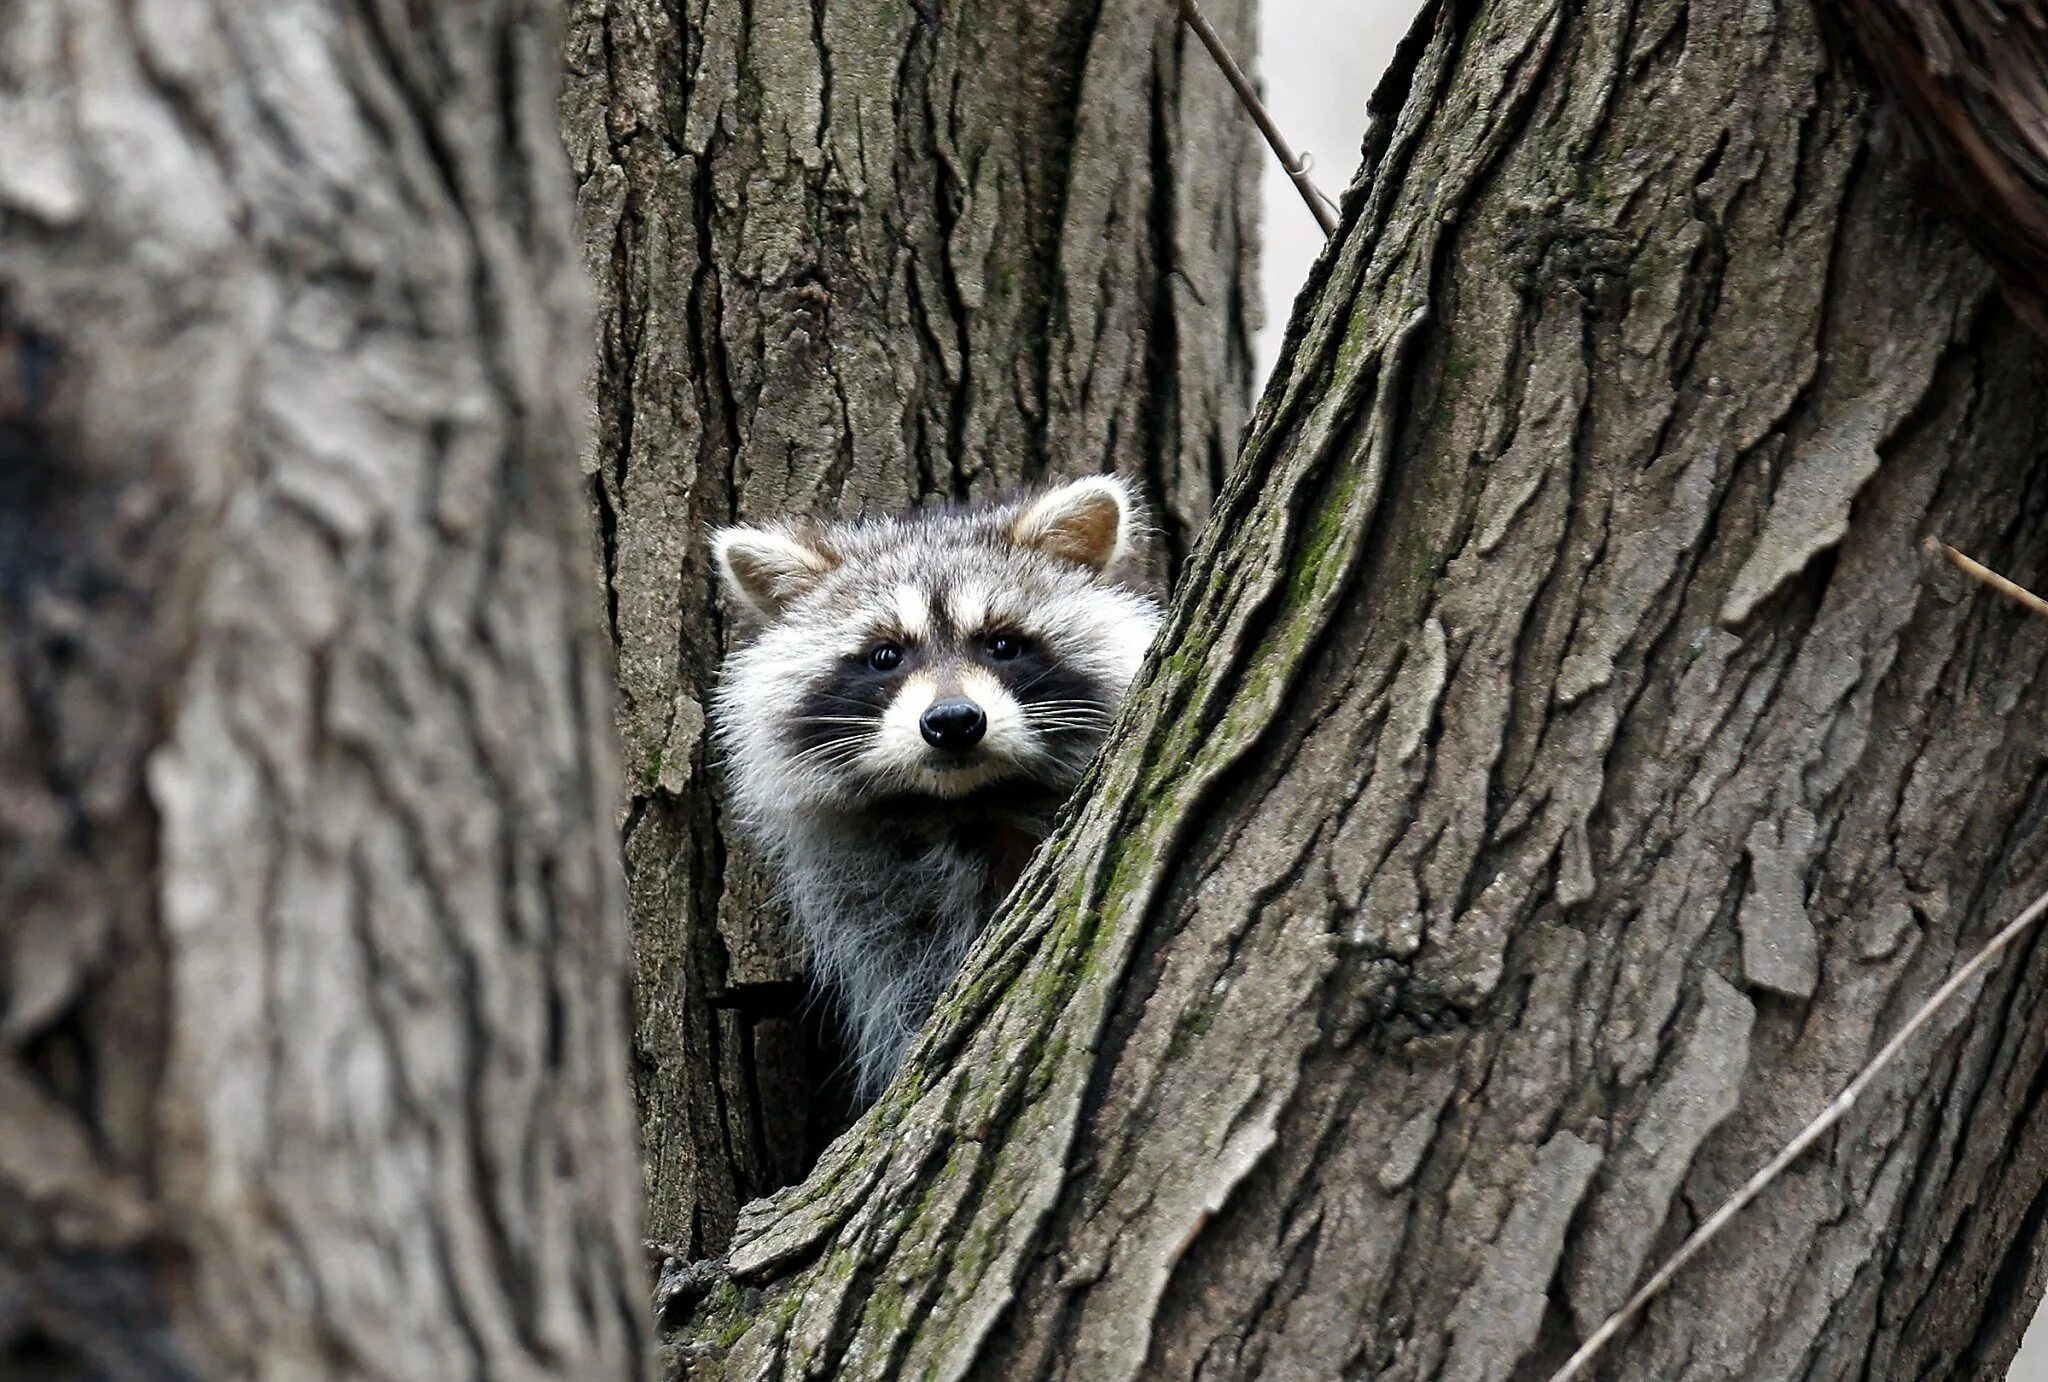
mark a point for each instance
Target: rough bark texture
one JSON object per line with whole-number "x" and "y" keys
{"x": 1967, "y": 82}
{"x": 312, "y": 985}
{"x": 862, "y": 253}
{"x": 1560, "y": 770}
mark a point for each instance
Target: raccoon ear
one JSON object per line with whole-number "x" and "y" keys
{"x": 1086, "y": 522}
{"x": 766, "y": 568}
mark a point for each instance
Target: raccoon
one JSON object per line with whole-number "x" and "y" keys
{"x": 920, "y": 696}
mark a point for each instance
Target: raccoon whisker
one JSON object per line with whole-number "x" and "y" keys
{"x": 816, "y": 774}
{"x": 1068, "y": 721}
{"x": 831, "y": 753}
{"x": 1025, "y": 685}
{"x": 834, "y": 756}
{"x": 1078, "y": 704}
{"x": 827, "y": 756}
{"x": 843, "y": 738}
{"x": 1066, "y": 759}
{"x": 834, "y": 698}
{"x": 821, "y": 776}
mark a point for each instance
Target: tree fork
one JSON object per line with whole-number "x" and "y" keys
{"x": 1559, "y": 773}
{"x": 860, "y": 254}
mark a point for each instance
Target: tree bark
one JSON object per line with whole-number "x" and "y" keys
{"x": 1559, "y": 771}
{"x": 856, "y": 254}
{"x": 1963, "y": 82}
{"x": 312, "y": 963}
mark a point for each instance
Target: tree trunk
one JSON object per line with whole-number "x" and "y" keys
{"x": 1559, "y": 772}
{"x": 312, "y": 968}
{"x": 856, "y": 254}
{"x": 1963, "y": 89}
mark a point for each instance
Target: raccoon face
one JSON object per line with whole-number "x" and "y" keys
{"x": 930, "y": 657}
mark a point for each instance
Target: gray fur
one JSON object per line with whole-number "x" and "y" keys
{"x": 891, "y": 853}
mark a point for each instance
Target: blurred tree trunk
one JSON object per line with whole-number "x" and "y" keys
{"x": 311, "y": 946}
{"x": 853, "y": 254}
{"x": 1559, "y": 773}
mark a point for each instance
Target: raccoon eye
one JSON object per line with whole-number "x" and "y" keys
{"x": 885, "y": 657}
{"x": 1002, "y": 647}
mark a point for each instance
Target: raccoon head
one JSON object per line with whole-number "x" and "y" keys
{"x": 937, "y": 656}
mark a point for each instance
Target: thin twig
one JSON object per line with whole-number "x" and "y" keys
{"x": 2011, "y": 590}
{"x": 1808, "y": 1135}
{"x": 1319, "y": 206}
{"x": 1846, "y": 1100}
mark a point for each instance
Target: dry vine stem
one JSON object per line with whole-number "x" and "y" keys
{"x": 1846, "y": 1100}
{"x": 1319, "y": 206}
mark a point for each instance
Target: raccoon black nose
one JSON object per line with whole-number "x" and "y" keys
{"x": 955, "y": 724}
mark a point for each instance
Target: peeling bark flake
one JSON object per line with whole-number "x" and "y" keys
{"x": 1643, "y": 1174}
{"x": 1780, "y": 951}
